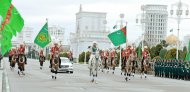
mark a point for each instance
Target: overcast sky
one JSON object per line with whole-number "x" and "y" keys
{"x": 62, "y": 12}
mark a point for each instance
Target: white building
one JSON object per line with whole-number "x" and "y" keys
{"x": 25, "y": 36}
{"x": 156, "y": 17}
{"x": 57, "y": 32}
{"x": 90, "y": 26}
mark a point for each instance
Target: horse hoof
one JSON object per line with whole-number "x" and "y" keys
{"x": 92, "y": 80}
{"x": 126, "y": 79}
{"x": 52, "y": 77}
{"x": 55, "y": 77}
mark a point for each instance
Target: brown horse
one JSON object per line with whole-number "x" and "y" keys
{"x": 112, "y": 64}
{"x": 13, "y": 61}
{"x": 21, "y": 64}
{"x": 55, "y": 66}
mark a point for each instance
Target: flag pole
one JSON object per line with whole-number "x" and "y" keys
{"x": 46, "y": 51}
{"x": 126, "y": 35}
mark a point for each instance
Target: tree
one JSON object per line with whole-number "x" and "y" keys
{"x": 185, "y": 49}
{"x": 164, "y": 43}
{"x": 182, "y": 55}
{"x": 152, "y": 52}
{"x": 81, "y": 57}
{"x": 171, "y": 54}
{"x": 157, "y": 58}
{"x": 64, "y": 54}
{"x": 158, "y": 48}
{"x": 162, "y": 53}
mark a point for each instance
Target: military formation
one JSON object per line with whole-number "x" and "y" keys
{"x": 175, "y": 69}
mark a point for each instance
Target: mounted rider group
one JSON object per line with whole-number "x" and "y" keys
{"x": 108, "y": 60}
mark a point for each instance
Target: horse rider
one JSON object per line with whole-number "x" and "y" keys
{"x": 106, "y": 57}
{"x": 94, "y": 51}
{"x": 53, "y": 52}
{"x": 134, "y": 62}
{"x": 21, "y": 51}
{"x": 11, "y": 53}
{"x": 113, "y": 55}
{"x": 145, "y": 55}
{"x": 70, "y": 56}
{"x": 128, "y": 53}
{"x": 41, "y": 58}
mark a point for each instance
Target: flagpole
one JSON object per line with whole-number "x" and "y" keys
{"x": 121, "y": 16}
{"x": 48, "y": 31}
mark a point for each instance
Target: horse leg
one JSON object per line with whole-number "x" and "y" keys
{"x": 145, "y": 73}
{"x": 113, "y": 69}
{"x": 56, "y": 74}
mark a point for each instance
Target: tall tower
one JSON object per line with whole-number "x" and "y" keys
{"x": 156, "y": 17}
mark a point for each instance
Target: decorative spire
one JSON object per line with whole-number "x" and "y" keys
{"x": 80, "y": 10}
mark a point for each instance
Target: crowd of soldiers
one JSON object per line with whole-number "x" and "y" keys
{"x": 175, "y": 69}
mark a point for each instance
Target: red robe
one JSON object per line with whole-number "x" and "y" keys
{"x": 21, "y": 50}
{"x": 145, "y": 53}
{"x": 129, "y": 51}
{"x": 54, "y": 49}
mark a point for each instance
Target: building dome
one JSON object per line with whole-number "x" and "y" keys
{"x": 172, "y": 39}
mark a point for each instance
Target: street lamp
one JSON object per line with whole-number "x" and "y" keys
{"x": 179, "y": 11}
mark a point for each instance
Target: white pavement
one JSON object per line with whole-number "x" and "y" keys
{"x": 37, "y": 80}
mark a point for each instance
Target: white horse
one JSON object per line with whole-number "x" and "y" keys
{"x": 94, "y": 64}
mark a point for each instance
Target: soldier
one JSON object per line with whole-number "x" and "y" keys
{"x": 156, "y": 68}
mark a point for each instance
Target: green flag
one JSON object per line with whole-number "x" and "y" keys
{"x": 43, "y": 38}
{"x": 139, "y": 52}
{"x": 4, "y": 6}
{"x": 11, "y": 24}
{"x": 187, "y": 58}
{"x": 118, "y": 37}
